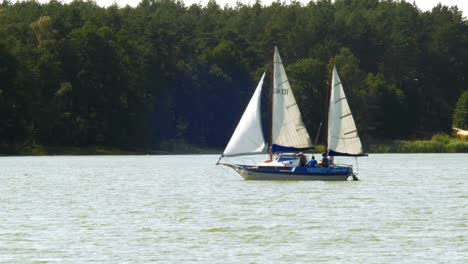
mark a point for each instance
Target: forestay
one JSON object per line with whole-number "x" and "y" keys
{"x": 343, "y": 138}
{"x": 248, "y": 137}
{"x": 289, "y": 132}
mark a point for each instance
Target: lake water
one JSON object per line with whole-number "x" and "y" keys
{"x": 183, "y": 209}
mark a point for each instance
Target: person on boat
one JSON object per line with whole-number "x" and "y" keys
{"x": 302, "y": 160}
{"x": 325, "y": 162}
{"x": 312, "y": 162}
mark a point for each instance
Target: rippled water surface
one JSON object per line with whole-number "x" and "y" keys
{"x": 183, "y": 209}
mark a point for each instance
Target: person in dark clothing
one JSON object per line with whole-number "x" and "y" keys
{"x": 325, "y": 161}
{"x": 302, "y": 160}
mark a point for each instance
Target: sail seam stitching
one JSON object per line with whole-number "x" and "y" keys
{"x": 340, "y": 99}
{"x": 345, "y": 115}
{"x": 350, "y": 132}
{"x": 289, "y": 106}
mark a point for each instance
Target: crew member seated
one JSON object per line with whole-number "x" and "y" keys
{"x": 312, "y": 163}
{"x": 325, "y": 161}
{"x": 302, "y": 160}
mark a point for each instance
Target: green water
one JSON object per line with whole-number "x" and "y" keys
{"x": 183, "y": 209}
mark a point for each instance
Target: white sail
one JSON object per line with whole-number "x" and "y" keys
{"x": 248, "y": 137}
{"x": 343, "y": 138}
{"x": 288, "y": 128}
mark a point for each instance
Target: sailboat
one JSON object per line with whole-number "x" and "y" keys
{"x": 288, "y": 137}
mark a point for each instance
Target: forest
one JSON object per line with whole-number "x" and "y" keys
{"x": 82, "y": 75}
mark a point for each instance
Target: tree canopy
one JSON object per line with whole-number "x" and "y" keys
{"x": 79, "y": 74}
{"x": 460, "y": 114}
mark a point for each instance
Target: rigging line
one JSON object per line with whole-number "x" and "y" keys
{"x": 338, "y": 83}
{"x": 318, "y": 132}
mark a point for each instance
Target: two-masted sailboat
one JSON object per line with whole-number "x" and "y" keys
{"x": 288, "y": 138}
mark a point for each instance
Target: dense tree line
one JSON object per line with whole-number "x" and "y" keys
{"x": 78, "y": 74}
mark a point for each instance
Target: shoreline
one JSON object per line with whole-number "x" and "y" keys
{"x": 105, "y": 151}
{"x": 376, "y": 147}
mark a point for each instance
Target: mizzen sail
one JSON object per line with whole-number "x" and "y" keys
{"x": 343, "y": 138}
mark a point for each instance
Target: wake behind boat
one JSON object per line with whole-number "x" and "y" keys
{"x": 288, "y": 137}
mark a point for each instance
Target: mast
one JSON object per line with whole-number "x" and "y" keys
{"x": 270, "y": 107}
{"x": 318, "y": 133}
{"x": 330, "y": 82}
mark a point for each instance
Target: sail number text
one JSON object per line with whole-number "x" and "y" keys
{"x": 282, "y": 91}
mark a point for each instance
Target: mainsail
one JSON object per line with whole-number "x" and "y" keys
{"x": 248, "y": 137}
{"x": 343, "y": 138}
{"x": 288, "y": 131}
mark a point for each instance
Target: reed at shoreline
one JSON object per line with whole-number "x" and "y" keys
{"x": 439, "y": 143}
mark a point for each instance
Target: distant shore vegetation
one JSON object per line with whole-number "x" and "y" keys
{"x": 175, "y": 79}
{"x": 440, "y": 143}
